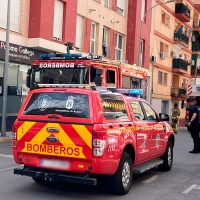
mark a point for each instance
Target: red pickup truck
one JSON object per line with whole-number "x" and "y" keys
{"x": 73, "y": 134}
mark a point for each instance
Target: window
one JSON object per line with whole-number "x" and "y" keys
{"x": 105, "y": 42}
{"x": 105, "y": 35}
{"x": 165, "y": 18}
{"x": 114, "y": 107}
{"x": 137, "y": 110}
{"x": 110, "y": 78}
{"x": 107, "y": 3}
{"x": 121, "y": 5}
{"x": 58, "y": 20}
{"x": 151, "y": 115}
{"x": 60, "y": 103}
{"x": 79, "y": 31}
{"x": 159, "y": 77}
{"x": 14, "y": 15}
{"x": 142, "y": 42}
{"x": 164, "y": 48}
{"x": 143, "y": 10}
{"x": 118, "y": 46}
{"x": 162, "y": 78}
{"x": 93, "y": 38}
{"x": 165, "y": 78}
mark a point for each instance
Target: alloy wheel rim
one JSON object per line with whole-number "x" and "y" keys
{"x": 126, "y": 174}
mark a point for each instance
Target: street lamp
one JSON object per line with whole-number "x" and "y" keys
{"x": 5, "y": 74}
{"x": 141, "y": 23}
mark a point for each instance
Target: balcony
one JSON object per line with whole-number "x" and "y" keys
{"x": 179, "y": 92}
{"x": 181, "y": 40}
{"x": 196, "y": 25}
{"x": 182, "y": 12}
{"x": 196, "y": 5}
{"x": 180, "y": 66}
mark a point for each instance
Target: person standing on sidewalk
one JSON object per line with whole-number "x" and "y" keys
{"x": 194, "y": 125}
{"x": 175, "y": 117}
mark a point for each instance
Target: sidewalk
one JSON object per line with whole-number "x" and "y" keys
{"x": 7, "y": 138}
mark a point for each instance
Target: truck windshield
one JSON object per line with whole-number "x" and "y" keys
{"x": 76, "y": 75}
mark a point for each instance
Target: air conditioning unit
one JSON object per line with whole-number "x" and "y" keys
{"x": 193, "y": 38}
{"x": 162, "y": 55}
{"x": 192, "y": 62}
{"x": 153, "y": 59}
{"x": 173, "y": 54}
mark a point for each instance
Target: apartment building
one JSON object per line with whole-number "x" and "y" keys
{"x": 108, "y": 28}
{"x": 174, "y": 52}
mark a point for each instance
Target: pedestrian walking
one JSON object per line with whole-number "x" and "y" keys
{"x": 194, "y": 125}
{"x": 175, "y": 117}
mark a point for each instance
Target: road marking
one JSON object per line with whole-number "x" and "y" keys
{"x": 1, "y": 170}
{"x": 6, "y": 156}
{"x": 189, "y": 189}
{"x": 150, "y": 180}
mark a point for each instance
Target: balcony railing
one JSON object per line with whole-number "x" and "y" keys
{"x": 196, "y": 23}
{"x": 181, "y": 8}
{"x": 179, "y": 92}
{"x": 181, "y": 37}
{"x": 179, "y": 63}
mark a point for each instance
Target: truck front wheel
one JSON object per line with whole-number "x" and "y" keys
{"x": 120, "y": 182}
{"x": 167, "y": 158}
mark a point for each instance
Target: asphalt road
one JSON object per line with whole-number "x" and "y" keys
{"x": 181, "y": 183}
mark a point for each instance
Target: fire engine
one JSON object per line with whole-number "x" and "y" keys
{"x": 74, "y": 69}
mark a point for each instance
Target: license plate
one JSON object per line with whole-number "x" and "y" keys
{"x": 58, "y": 164}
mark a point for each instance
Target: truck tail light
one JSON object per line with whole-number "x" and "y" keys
{"x": 99, "y": 143}
{"x": 14, "y": 136}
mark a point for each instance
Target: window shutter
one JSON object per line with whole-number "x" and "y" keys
{"x": 79, "y": 31}
{"x": 14, "y": 15}
{"x": 58, "y": 19}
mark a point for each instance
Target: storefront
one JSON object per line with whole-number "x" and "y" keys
{"x": 20, "y": 58}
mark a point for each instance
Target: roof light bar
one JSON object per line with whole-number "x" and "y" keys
{"x": 81, "y": 86}
{"x": 130, "y": 91}
{"x": 65, "y": 56}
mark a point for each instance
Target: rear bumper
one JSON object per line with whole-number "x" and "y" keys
{"x": 56, "y": 176}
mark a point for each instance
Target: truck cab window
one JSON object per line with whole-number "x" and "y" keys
{"x": 110, "y": 77}
{"x": 96, "y": 75}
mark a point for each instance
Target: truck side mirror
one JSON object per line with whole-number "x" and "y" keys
{"x": 98, "y": 80}
{"x": 28, "y": 78}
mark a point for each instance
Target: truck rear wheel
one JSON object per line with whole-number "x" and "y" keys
{"x": 120, "y": 182}
{"x": 167, "y": 158}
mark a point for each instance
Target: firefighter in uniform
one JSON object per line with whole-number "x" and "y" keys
{"x": 175, "y": 117}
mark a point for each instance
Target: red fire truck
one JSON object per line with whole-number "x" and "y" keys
{"x": 75, "y": 69}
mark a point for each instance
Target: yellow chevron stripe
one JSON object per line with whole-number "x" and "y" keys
{"x": 84, "y": 134}
{"x": 64, "y": 139}
{"x": 23, "y": 129}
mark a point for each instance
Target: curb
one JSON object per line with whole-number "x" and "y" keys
{"x": 8, "y": 139}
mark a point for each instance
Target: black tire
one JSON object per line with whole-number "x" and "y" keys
{"x": 39, "y": 180}
{"x": 115, "y": 182}
{"x": 167, "y": 158}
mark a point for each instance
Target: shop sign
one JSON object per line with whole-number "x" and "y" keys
{"x": 18, "y": 53}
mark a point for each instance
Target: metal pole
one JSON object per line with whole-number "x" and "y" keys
{"x": 5, "y": 74}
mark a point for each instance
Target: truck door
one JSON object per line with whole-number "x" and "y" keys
{"x": 157, "y": 130}
{"x": 143, "y": 137}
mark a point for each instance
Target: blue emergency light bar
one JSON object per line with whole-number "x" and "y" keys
{"x": 65, "y": 56}
{"x": 130, "y": 91}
